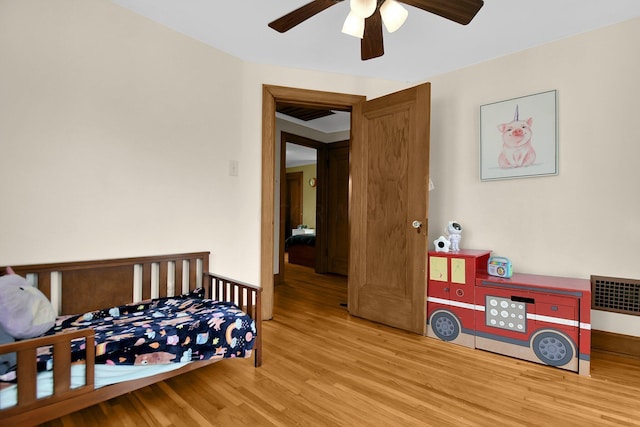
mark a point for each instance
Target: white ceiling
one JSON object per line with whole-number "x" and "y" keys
{"x": 297, "y": 155}
{"x": 337, "y": 122}
{"x": 425, "y": 46}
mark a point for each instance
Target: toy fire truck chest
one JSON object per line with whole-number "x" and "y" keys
{"x": 543, "y": 319}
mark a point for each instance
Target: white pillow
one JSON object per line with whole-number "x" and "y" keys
{"x": 24, "y": 311}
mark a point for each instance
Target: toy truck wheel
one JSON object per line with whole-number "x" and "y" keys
{"x": 445, "y": 326}
{"x": 552, "y": 348}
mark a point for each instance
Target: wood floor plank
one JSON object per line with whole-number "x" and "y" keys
{"x": 323, "y": 367}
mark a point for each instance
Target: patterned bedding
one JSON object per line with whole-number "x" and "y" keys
{"x": 164, "y": 330}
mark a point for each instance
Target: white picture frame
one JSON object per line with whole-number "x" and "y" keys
{"x": 519, "y": 137}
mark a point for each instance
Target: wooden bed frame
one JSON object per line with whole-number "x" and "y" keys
{"x": 78, "y": 287}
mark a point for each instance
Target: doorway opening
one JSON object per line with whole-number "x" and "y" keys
{"x": 314, "y": 201}
{"x": 273, "y": 95}
{"x": 298, "y": 202}
{"x": 388, "y": 176}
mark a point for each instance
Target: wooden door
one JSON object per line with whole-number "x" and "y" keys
{"x": 338, "y": 208}
{"x": 293, "y": 198}
{"x": 389, "y": 190}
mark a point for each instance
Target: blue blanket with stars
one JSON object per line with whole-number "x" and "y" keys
{"x": 163, "y": 330}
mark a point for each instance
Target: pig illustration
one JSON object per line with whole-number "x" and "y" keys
{"x": 517, "y": 150}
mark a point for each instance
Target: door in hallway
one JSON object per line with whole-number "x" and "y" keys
{"x": 338, "y": 208}
{"x": 293, "y": 202}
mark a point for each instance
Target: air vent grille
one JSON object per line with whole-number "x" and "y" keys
{"x": 614, "y": 294}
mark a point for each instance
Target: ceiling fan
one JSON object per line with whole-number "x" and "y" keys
{"x": 366, "y": 18}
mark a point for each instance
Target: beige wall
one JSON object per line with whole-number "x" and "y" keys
{"x": 116, "y": 136}
{"x": 584, "y": 221}
{"x": 117, "y": 133}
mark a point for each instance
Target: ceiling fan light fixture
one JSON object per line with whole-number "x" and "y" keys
{"x": 353, "y": 25}
{"x": 393, "y": 15}
{"x": 363, "y": 8}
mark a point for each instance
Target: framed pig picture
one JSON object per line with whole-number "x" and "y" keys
{"x": 519, "y": 137}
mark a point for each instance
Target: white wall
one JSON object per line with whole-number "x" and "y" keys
{"x": 117, "y": 133}
{"x": 584, "y": 221}
{"x": 116, "y": 137}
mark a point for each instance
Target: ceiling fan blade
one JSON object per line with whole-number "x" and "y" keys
{"x": 291, "y": 19}
{"x": 372, "y": 45}
{"x": 460, "y": 11}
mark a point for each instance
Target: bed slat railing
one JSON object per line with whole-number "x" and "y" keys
{"x": 27, "y": 369}
{"x": 245, "y": 296}
{"x": 106, "y": 283}
{"x": 78, "y": 287}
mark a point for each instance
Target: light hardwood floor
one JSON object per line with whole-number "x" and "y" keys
{"x": 323, "y": 367}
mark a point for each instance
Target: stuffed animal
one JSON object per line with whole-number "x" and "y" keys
{"x": 25, "y": 312}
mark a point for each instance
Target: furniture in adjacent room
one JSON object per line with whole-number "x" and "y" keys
{"x": 302, "y": 248}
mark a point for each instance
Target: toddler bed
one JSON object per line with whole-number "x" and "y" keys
{"x": 99, "y": 353}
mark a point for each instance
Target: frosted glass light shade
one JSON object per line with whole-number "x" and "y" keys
{"x": 353, "y": 25}
{"x": 393, "y": 15}
{"x": 363, "y": 8}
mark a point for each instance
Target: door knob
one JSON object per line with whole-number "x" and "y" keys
{"x": 416, "y": 224}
